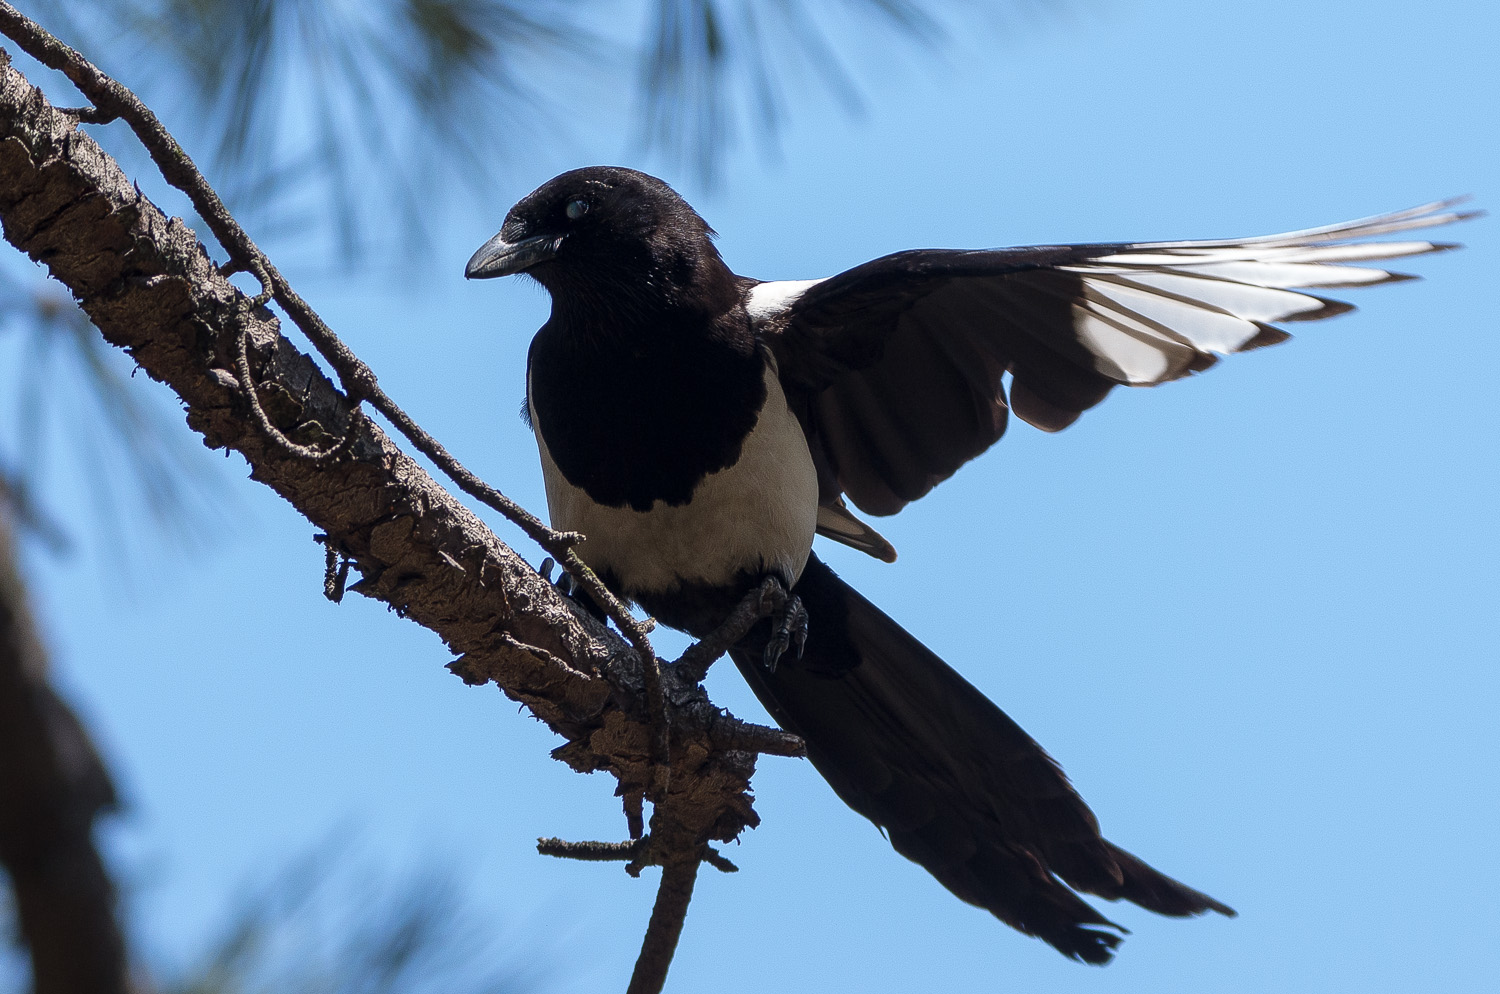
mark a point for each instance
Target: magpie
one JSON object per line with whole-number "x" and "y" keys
{"x": 701, "y": 427}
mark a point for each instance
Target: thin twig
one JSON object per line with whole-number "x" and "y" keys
{"x": 537, "y": 652}
{"x": 715, "y": 859}
{"x": 734, "y": 734}
{"x": 593, "y": 852}
{"x": 642, "y": 852}
{"x": 331, "y": 588}
{"x": 246, "y": 382}
{"x": 635, "y": 811}
{"x": 112, "y": 100}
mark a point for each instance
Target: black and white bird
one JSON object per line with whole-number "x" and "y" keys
{"x": 701, "y": 427}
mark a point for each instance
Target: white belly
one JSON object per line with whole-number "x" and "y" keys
{"x": 758, "y": 514}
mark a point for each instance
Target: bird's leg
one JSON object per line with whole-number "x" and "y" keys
{"x": 788, "y": 623}
{"x": 767, "y": 600}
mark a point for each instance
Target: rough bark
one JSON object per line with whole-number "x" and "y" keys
{"x": 53, "y": 786}
{"x": 153, "y": 290}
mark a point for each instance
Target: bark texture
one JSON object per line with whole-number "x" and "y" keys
{"x": 153, "y": 290}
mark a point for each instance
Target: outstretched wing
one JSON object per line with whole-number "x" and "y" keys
{"x": 896, "y": 367}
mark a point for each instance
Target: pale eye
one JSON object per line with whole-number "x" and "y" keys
{"x": 577, "y": 209}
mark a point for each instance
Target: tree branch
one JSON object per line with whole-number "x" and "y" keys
{"x": 667, "y": 917}
{"x": 52, "y": 786}
{"x": 153, "y": 290}
{"x": 113, "y": 101}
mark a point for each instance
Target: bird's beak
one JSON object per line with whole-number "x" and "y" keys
{"x": 498, "y": 257}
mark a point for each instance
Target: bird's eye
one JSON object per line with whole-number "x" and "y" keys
{"x": 576, "y": 209}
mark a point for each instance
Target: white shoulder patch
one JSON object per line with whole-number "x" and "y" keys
{"x": 770, "y": 300}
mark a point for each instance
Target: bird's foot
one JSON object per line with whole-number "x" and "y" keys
{"x": 570, "y": 588}
{"x": 769, "y": 600}
{"x": 788, "y": 626}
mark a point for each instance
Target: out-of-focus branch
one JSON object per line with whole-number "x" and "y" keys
{"x": 52, "y": 787}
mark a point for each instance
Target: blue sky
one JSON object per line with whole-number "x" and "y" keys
{"x": 1254, "y": 614}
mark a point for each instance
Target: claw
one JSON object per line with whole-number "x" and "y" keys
{"x": 789, "y": 624}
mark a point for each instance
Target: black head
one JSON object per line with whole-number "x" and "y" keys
{"x": 603, "y": 229}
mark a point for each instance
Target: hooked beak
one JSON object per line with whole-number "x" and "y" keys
{"x": 498, "y": 257}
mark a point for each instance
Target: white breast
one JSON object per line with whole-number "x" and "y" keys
{"x": 758, "y": 514}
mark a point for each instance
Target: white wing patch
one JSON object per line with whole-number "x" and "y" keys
{"x": 771, "y": 300}
{"x": 1159, "y": 310}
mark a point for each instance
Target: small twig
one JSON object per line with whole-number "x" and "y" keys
{"x": 733, "y": 734}
{"x": 634, "y": 803}
{"x": 331, "y": 586}
{"x": 694, "y": 663}
{"x": 335, "y": 568}
{"x": 640, "y": 853}
{"x": 113, "y": 100}
{"x": 593, "y": 852}
{"x": 308, "y": 452}
{"x": 713, "y": 858}
{"x": 88, "y": 115}
{"x": 679, "y": 872}
{"x": 667, "y": 917}
{"x": 537, "y": 652}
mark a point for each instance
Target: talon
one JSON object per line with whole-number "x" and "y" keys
{"x": 567, "y": 585}
{"x": 788, "y": 625}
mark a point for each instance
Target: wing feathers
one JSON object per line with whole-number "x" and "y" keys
{"x": 1431, "y": 215}
{"x": 1251, "y": 301}
{"x": 1126, "y": 349}
{"x": 768, "y": 301}
{"x": 1218, "y": 296}
{"x": 901, "y": 358}
{"x": 837, "y": 522}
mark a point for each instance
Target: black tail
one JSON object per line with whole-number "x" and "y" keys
{"x": 958, "y": 787}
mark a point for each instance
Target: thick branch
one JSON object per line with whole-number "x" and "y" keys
{"x": 152, "y": 290}
{"x": 113, "y": 101}
{"x": 52, "y": 786}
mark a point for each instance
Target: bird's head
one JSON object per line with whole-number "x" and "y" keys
{"x": 602, "y": 230}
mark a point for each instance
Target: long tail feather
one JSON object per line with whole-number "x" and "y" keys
{"x": 956, "y": 784}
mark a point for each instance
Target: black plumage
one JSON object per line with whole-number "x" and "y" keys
{"x": 700, "y": 426}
